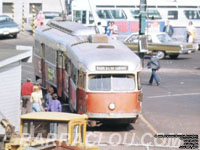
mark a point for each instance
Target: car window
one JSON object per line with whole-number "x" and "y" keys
{"x": 5, "y": 19}
{"x": 132, "y": 39}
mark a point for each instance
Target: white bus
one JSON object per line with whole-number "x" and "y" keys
{"x": 125, "y": 13}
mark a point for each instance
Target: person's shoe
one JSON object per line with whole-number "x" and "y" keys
{"x": 150, "y": 83}
{"x": 158, "y": 83}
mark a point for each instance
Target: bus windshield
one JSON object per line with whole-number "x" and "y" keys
{"x": 114, "y": 82}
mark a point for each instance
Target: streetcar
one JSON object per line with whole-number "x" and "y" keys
{"x": 94, "y": 74}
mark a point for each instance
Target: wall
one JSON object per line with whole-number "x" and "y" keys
{"x": 10, "y": 87}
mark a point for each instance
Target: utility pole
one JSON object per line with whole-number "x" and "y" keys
{"x": 142, "y": 40}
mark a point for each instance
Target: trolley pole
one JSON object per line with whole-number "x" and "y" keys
{"x": 142, "y": 42}
{"x": 23, "y": 18}
{"x": 13, "y": 11}
{"x": 33, "y": 20}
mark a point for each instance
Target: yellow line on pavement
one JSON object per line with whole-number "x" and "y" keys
{"x": 149, "y": 125}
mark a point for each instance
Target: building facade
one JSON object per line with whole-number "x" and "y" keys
{"x": 15, "y": 8}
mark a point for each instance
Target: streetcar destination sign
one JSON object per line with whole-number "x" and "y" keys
{"x": 111, "y": 68}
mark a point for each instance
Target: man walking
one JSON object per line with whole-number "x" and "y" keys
{"x": 154, "y": 64}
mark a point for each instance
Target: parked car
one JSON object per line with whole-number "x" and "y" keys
{"x": 50, "y": 15}
{"x": 8, "y": 26}
{"x": 162, "y": 44}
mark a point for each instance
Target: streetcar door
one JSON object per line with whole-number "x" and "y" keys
{"x": 60, "y": 73}
{"x": 81, "y": 93}
{"x": 42, "y": 54}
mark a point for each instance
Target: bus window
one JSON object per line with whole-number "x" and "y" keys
{"x": 79, "y": 15}
{"x": 118, "y": 14}
{"x": 192, "y": 14}
{"x": 135, "y": 14}
{"x": 172, "y": 14}
{"x": 91, "y": 19}
{"x": 104, "y": 14}
{"x": 153, "y": 14}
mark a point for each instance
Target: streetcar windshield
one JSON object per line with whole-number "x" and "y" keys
{"x": 115, "y": 82}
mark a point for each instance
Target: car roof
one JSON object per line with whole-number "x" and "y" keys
{"x": 53, "y": 116}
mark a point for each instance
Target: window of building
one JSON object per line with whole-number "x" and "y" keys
{"x": 173, "y": 15}
{"x": 38, "y": 7}
{"x": 7, "y": 7}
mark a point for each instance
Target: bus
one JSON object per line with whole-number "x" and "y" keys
{"x": 125, "y": 13}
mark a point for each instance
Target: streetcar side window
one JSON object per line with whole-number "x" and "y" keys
{"x": 68, "y": 65}
{"x": 37, "y": 48}
{"x": 139, "y": 81}
{"x": 50, "y": 54}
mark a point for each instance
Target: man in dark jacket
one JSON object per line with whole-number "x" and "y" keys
{"x": 154, "y": 64}
{"x": 168, "y": 29}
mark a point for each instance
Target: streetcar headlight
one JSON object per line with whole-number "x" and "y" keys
{"x": 112, "y": 106}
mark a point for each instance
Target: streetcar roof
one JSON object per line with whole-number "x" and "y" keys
{"x": 84, "y": 54}
{"x": 92, "y": 55}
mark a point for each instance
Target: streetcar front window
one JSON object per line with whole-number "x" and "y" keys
{"x": 100, "y": 83}
{"x": 115, "y": 82}
{"x": 123, "y": 82}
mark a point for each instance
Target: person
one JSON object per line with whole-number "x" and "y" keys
{"x": 49, "y": 95}
{"x": 78, "y": 21}
{"x": 191, "y": 32}
{"x": 36, "y": 100}
{"x": 113, "y": 30}
{"x": 107, "y": 29}
{"x": 154, "y": 65}
{"x": 168, "y": 29}
{"x": 100, "y": 29}
{"x": 26, "y": 90}
{"x": 40, "y": 91}
{"x": 40, "y": 19}
{"x": 54, "y": 104}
